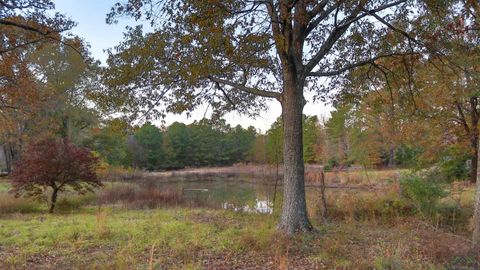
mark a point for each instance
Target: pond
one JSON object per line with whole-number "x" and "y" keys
{"x": 226, "y": 194}
{"x": 238, "y": 194}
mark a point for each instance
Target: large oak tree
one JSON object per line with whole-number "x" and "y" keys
{"x": 234, "y": 54}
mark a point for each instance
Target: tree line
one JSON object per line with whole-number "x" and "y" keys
{"x": 202, "y": 143}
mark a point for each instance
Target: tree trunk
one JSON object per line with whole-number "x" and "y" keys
{"x": 474, "y": 118}
{"x": 476, "y": 215}
{"x": 294, "y": 216}
{"x": 474, "y": 141}
{"x": 53, "y": 200}
{"x": 8, "y": 157}
{"x": 275, "y": 188}
{"x": 324, "y": 197}
{"x": 391, "y": 157}
{"x": 474, "y": 164}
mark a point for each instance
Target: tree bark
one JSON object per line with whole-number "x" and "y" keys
{"x": 474, "y": 164}
{"x": 475, "y": 118}
{"x": 53, "y": 200}
{"x": 294, "y": 216}
{"x": 476, "y": 216}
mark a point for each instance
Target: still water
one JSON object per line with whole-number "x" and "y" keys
{"x": 226, "y": 194}
{"x": 251, "y": 196}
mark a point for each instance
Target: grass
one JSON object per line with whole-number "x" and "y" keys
{"x": 181, "y": 238}
{"x": 128, "y": 227}
{"x": 175, "y": 232}
{"x": 135, "y": 196}
{"x": 4, "y": 186}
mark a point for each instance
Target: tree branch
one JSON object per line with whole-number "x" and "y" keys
{"x": 246, "y": 89}
{"x": 462, "y": 117}
{"x": 276, "y": 29}
{"x": 25, "y": 27}
{"x": 10, "y": 48}
{"x": 322, "y": 16}
{"x": 393, "y": 28}
{"x": 339, "y": 30}
{"x": 317, "y": 9}
{"x": 354, "y": 65}
{"x": 225, "y": 94}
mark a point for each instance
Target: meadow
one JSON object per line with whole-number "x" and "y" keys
{"x": 131, "y": 224}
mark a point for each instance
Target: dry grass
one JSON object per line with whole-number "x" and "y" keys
{"x": 117, "y": 173}
{"x": 10, "y": 204}
{"x": 267, "y": 174}
{"x": 355, "y": 177}
{"x": 137, "y": 196}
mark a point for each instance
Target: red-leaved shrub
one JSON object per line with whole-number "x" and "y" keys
{"x": 55, "y": 164}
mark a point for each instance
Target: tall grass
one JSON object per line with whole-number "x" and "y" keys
{"x": 268, "y": 174}
{"x": 10, "y": 205}
{"x": 132, "y": 196}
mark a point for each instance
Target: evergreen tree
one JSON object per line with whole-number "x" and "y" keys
{"x": 150, "y": 139}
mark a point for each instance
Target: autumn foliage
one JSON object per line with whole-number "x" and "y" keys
{"x": 55, "y": 164}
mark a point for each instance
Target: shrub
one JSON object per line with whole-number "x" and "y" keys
{"x": 454, "y": 168}
{"x": 331, "y": 163}
{"x": 424, "y": 194}
{"x": 59, "y": 165}
{"x": 452, "y": 165}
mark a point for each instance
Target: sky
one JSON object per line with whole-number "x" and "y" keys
{"x": 90, "y": 17}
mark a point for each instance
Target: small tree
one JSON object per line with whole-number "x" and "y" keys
{"x": 55, "y": 164}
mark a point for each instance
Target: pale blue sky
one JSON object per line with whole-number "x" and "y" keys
{"x": 90, "y": 16}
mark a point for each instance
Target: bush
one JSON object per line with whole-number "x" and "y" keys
{"x": 451, "y": 166}
{"x": 407, "y": 156}
{"x": 331, "y": 163}
{"x": 454, "y": 168}
{"x": 424, "y": 194}
{"x": 55, "y": 164}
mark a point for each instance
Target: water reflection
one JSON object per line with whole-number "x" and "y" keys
{"x": 262, "y": 207}
{"x": 243, "y": 196}
{"x": 231, "y": 194}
